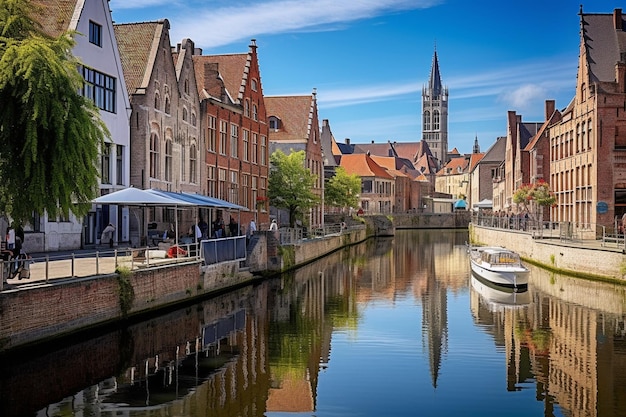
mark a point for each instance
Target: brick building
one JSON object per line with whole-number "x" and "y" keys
{"x": 166, "y": 144}
{"x": 234, "y": 124}
{"x": 588, "y": 145}
{"x": 294, "y": 126}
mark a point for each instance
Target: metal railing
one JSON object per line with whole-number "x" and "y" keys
{"x": 562, "y": 230}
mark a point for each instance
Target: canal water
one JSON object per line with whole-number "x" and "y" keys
{"x": 391, "y": 327}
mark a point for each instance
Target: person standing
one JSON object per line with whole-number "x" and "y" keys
{"x": 252, "y": 227}
{"x": 10, "y": 237}
{"x": 107, "y": 234}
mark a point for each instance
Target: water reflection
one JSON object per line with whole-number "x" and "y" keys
{"x": 387, "y": 327}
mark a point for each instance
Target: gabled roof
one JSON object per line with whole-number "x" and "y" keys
{"x": 379, "y": 149}
{"x": 56, "y": 16}
{"x": 295, "y": 114}
{"x": 232, "y": 71}
{"x": 496, "y": 152}
{"x": 388, "y": 163}
{"x": 363, "y": 165}
{"x": 475, "y": 159}
{"x": 138, "y": 44}
{"x": 605, "y": 45}
{"x": 533, "y": 142}
{"x": 454, "y": 167}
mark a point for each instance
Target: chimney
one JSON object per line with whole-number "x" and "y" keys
{"x": 549, "y": 108}
{"x": 325, "y": 122}
{"x": 617, "y": 19}
{"x": 347, "y": 141}
{"x": 620, "y": 76}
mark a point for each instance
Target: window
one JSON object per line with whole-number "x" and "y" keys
{"x": 119, "y": 164}
{"x": 100, "y": 88}
{"x": 221, "y": 184}
{"x": 154, "y": 155}
{"x": 426, "y": 120}
{"x": 211, "y": 134}
{"x": 255, "y": 114}
{"x": 234, "y": 140}
{"x": 255, "y": 147}
{"x": 105, "y": 169}
{"x": 157, "y": 101}
{"x": 223, "y": 136}
{"x": 212, "y": 185}
{"x": 274, "y": 123}
{"x": 168, "y": 160}
{"x": 234, "y": 187}
{"x": 167, "y": 105}
{"x": 436, "y": 120}
{"x": 185, "y": 115}
{"x": 95, "y": 33}
{"x": 193, "y": 118}
{"x": 253, "y": 84}
{"x": 263, "y": 150}
{"x": 192, "y": 164}
{"x": 246, "y": 145}
{"x": 186, "y": 86}
{"x": 183, "y": 163}
{"x": 245, "y": 190}
{"x": 246, "y": 108}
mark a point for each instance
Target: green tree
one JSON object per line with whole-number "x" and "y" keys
{"x": 50, "y": 135}
{"x": 291, "y": 184}
{"x": 342, "y": 190}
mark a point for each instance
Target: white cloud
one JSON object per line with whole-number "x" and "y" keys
{"x": 212, "y": 27}
{"x": 523, "y": 96}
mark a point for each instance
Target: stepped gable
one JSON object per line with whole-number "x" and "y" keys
{"x": 605, "y": 43}
{"x": 222, "y": 77}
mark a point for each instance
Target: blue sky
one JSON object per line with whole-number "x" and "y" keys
{"x": 369, "y": 59}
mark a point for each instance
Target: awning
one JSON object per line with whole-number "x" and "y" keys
{"x": 460, "y": 204}
{"x": 132, "y": 196}
{"x": 199, "y": 200}
{"x": 484, "y": 204}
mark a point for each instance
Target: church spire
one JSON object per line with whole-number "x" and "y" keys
{"x": 476, "y": 146}
{"x": 435, "y": 77}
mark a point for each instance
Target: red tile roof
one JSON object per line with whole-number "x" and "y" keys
{"x": 295, "y": 114}
{"x": 55, "y": 16}
{"x": 363, "y": 165}
{"x": 232, "y": 71}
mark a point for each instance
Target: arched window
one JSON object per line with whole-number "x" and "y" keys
{"x": 187, "y": 86}
{"x": 192, "y": 164}
{"x": 246, "y": 108}
{"x": 193, "y": 119}
{"x": 167, "y": 105}
{"x": 255, "y": 115}
{"x": 436, "y": 120}
{"x": 253, "y": 84}
{"x": 426, "y": 120}
{"x": 154, "y": 155}
{"x": 168, "y": 160}
{"x": 157, "y": 101}
{"x": 185, "y": 115}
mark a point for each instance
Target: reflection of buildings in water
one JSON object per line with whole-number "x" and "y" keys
{"x": 571, "y": 340}
{"x": 435, "y": 324}
{"x": 586, "y": 369}
{"x": 169, "y": 365}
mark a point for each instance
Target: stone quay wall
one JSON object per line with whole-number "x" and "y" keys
{"x": 552, "y": 254}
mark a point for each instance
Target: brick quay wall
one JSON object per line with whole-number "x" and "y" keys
{"x": 39, "y": 313}
{"x": 568, "y": 257}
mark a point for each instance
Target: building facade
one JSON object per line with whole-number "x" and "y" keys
{"x": 294, "y": 126}
{"x": 165, "y": 129}
{"x": 234, "y": 117}
{"x": 97, "y": 49}
{"x": 588, "y": 144}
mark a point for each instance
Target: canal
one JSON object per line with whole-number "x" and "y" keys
{"x": 391, "y": 327}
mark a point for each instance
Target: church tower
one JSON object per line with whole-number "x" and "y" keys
{"x": 435, "y": 115}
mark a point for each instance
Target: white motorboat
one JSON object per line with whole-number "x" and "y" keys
{"x": 497, "y": 298}
{"x": 500, "y": 266}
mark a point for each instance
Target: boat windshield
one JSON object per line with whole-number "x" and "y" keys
{"x": 502, "y": 258}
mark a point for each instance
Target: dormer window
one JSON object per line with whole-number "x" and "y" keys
{"x": 253, "y": 84}
{"x": 274, "y": 122}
